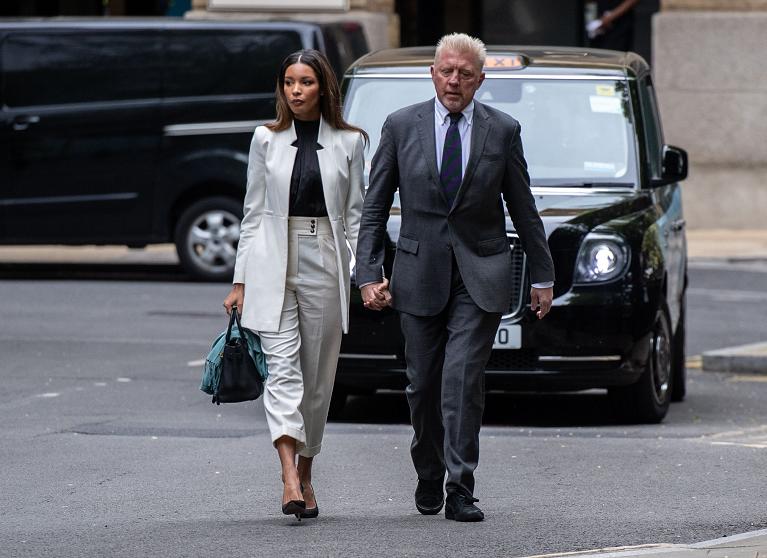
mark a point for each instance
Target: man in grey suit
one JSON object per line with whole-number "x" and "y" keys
{"x": 453, "y": 161}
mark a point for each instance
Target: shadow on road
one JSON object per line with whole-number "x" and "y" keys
{"x": 93, "y": 271}
{"x": 502, "y": 409}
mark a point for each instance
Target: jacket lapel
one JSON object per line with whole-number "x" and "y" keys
{"x": 283, "y": 167}
{"x": 480, "y": 128}
{"x": 425, "y": 126}
{"x": 326, "y": 159}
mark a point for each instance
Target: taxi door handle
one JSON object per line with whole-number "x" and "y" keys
{"x": 21, "y": 123}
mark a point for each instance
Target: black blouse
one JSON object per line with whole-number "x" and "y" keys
{"x": 306, "y": 194}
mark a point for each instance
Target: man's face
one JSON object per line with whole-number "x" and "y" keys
{"x": 456, "y": 77}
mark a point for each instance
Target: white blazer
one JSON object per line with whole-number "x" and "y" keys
{"x": 262, "y": 255}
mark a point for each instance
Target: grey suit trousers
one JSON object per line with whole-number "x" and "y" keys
{"x": 446, "y": 356}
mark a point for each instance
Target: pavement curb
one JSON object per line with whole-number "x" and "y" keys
{"x": 751, "y": 358}
{"x": 752, "y": 544}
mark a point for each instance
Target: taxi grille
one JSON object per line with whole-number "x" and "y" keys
{"x": 518, "y": 276}
{"x": 519, "y": 359}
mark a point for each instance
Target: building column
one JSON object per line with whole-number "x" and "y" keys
{"x": 708, "y": 61}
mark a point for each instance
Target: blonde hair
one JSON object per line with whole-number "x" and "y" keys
{"x": 463, "y": 43}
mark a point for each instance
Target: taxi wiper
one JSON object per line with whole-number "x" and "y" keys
{"x": 585, "y": 185}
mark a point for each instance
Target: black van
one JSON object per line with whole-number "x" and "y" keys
{"x": 137, "y": 131}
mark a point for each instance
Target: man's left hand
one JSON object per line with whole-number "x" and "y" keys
{"x": 540, "y": 300}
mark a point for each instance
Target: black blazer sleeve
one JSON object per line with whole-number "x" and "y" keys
{"x": 384, "y": 181}
{"x": 521, "y": 206}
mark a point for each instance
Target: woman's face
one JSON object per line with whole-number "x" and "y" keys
{"x": 302, "y": 90}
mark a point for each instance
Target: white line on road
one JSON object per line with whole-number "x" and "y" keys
{"x": 729, "y": 295}
{"x": 196, "y": 363}
{"x": 49, "y": 394}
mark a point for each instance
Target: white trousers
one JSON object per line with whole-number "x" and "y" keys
{"x": 302, "y": 356}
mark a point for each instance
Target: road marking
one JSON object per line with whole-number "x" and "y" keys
{"x": 196, "y": 363}
{"x": 48, "y": 395}
{"x": 757, "y": 446}
{"x": 748, "y": 378}
{"x": 755, "y": 438}
{"x": 123, "y": 380}
{"x": 729, "y": 295}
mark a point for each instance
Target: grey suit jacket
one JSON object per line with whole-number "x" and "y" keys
{"x": 474, "y": 229}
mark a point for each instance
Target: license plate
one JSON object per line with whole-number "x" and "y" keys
{"x": 508, "y": 337}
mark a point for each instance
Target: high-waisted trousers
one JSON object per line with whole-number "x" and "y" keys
{"x": 302, "y": 356}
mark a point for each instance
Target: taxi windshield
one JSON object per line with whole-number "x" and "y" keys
{"x": 575, "y": 132}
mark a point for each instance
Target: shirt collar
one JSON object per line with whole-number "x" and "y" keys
{"x": 442, "y": 112}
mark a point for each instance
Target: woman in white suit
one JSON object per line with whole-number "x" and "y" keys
{"x": 291, "y": 278}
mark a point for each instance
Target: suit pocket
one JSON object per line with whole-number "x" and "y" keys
{"x": 493, "y": 246}
{"x": 407, "y": 245}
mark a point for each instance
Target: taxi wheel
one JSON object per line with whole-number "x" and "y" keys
{"x": 648, "y": 400}
{"x": 678, "y": 364}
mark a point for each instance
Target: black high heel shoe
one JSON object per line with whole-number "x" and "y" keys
{"x": 310, "y": 513}
{"x": 294, "y": 507}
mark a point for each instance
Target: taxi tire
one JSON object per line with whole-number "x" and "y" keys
{"x": 646, "y": 401}
{"x": 678, "y": 363}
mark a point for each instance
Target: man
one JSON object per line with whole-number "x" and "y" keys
{"x": 452, "y": 159}
{"x": 614, "y": 26}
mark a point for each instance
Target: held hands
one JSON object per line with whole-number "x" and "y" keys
{"x": 376, "y": 296}
{"x": 540, "y": 300}
{"x": 235, "y": 298}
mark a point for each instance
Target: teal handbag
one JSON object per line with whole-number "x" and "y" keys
{"x": 234, "y": 370}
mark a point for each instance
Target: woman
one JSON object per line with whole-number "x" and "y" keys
{"x": 291, "y": 278}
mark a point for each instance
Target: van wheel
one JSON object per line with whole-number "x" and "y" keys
{"x": 648, "y": 400}
{"x": 337, "y": 402}
{"x": 206, "y": 238}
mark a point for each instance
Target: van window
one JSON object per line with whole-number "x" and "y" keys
{"x": 202, "y": 63}
{"x": 344, "y": 43}
{"x": 651, "y": 124}
{"x": 53, "y": 68}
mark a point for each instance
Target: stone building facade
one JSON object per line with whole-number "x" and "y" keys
{"x": 709, "y": 67}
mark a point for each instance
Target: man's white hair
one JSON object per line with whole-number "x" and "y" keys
{"x": 463, "y": 43}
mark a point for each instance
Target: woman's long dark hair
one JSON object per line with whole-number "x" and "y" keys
{"x": 330, "y": 98}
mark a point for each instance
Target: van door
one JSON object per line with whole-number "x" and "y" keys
{"x": 81, "y": 111}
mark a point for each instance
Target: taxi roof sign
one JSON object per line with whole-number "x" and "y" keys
{"x": 504, "y": 62}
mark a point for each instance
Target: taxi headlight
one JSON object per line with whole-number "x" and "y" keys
{"x": 601, "y": 258}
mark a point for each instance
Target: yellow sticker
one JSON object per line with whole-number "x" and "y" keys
{"x": 503, "y": 62}
{"x": 606, "y": 90}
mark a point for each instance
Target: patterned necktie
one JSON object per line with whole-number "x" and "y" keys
{"x": 450, "y": 172}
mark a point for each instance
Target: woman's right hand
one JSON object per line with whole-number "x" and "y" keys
{"x": 235, "y": 298}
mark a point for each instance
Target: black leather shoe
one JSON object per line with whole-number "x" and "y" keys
{"x": 429, "y": 497}
{"x": 460, "y": 507}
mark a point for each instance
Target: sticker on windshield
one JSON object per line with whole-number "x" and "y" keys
{"x": 606, "y": 90}
{"x": 596, "y": 166}
{"x": 611, "y": 105}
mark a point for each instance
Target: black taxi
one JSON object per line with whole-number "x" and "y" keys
{"x": 607, "y": 189}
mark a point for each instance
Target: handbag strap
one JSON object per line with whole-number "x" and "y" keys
{"x": 234, "y": 317}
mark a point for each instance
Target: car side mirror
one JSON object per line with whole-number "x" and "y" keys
{"x": 674, "y": 166}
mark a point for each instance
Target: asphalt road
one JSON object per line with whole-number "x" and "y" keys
{"x": 108, "y": 449}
